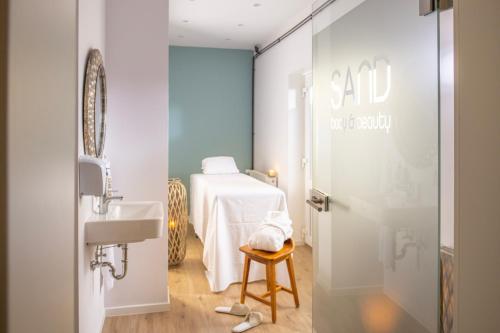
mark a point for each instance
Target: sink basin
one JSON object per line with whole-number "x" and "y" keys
{"x": 125, "y": 222}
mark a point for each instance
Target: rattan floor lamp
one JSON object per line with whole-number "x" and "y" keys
{"x": 177, "y": 221}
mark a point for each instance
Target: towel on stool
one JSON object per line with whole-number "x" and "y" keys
{"x": 272, "y": 232}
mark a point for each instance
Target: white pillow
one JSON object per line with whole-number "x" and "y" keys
{"x": 219, "y": 165}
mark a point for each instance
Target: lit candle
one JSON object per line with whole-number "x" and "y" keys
{"x": 272, "y": 173}
{"x": 171, "y": 224}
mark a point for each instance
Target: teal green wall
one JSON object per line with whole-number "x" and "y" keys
{"x": 210, "y": 108}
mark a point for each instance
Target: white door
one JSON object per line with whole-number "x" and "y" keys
{"x": 375, "y": 154}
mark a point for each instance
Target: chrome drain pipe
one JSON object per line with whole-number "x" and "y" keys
{"x": 98, "y": 261}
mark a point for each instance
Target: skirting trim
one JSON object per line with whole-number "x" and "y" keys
{"x": 138, "y": 309}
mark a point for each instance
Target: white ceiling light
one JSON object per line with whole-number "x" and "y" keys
{"x": 257, "y": 4}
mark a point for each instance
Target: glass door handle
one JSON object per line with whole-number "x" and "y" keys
{"x": 315, "y": 205}
{"x": 318, "y": 201}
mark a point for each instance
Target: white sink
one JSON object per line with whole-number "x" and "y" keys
{"x": 125, "y": 222}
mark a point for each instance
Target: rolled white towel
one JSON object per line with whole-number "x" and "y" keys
{"x": 109, "y": 281}
{"x": 273, "y": 231}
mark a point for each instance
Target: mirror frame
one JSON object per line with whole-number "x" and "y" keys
{"x": 94, "y": 71}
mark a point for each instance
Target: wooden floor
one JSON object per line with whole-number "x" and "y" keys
{"x": 192, "y": 304}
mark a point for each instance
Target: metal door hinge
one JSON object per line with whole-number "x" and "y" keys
{"x": 304, "y": 92}
{"x": 426, "y": 7}
{"x": 304, "y": 162}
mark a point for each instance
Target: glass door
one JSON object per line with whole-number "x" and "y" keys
{"x": 375, "y": 168}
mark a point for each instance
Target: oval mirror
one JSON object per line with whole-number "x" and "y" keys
{"x": 94, "y": 105}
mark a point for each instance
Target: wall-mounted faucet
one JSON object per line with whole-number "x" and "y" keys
{"x": 105, "y": 200}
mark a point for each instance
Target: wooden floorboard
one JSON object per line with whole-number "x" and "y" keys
{"x": 192, "y": 302}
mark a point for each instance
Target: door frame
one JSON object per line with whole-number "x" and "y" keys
{"x": 307, "y": 159}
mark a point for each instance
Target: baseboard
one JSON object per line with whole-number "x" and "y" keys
{"x": 128, "y": 310}
{"x": 136, "y": 309}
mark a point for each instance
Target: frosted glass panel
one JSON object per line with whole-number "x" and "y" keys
{"x": 375, "y": 152}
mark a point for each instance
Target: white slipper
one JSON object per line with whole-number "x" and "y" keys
{"x": 253, "y": 319}
{"x": 237, "y": 309}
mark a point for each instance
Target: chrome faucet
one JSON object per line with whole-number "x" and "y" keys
{"x": 104, "y": 202}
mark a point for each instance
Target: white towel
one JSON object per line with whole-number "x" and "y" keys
{"x": 272, "y": 232}
{"x": 109, "y": 281}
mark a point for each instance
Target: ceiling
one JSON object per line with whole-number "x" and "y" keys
{"x": 238, "y": 24}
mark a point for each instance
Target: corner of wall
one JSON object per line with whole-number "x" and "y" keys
{"x": 91, "y": 33}
{"x": 137, "y": 73}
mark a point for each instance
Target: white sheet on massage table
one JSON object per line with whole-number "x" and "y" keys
{"x": 225, "y": 210}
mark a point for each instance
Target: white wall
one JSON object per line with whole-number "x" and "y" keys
{"x": 42, "y": 149}
{"x": 477, "y": 165}
{"x": 447, "y": 126}
{"x": 279, "y": 129}
{"x": 91, "y": 34}
{"x": 137, "y": 138}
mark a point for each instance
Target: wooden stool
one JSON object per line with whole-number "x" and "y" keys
{"x": 270, "y": 259}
